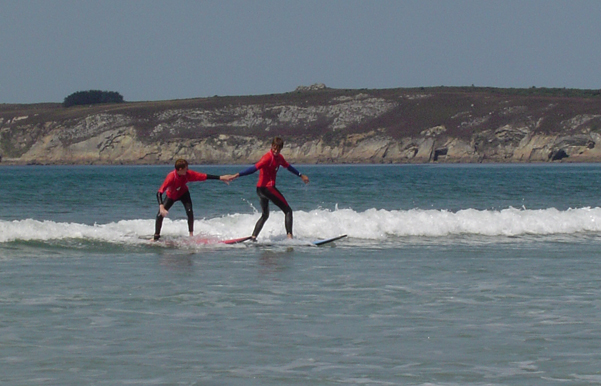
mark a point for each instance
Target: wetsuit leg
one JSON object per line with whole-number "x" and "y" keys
{"x": 159, "y": 219}
{"x": 187, "y": 201}
{"x": 265, "y": 213}
{"x": 272, "y": 194}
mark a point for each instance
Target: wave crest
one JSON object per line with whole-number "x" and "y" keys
{"x": 372, "y": 224}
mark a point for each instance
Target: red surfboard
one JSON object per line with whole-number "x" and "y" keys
{"x": 236, "y": 241}
{"x": 202, "y": 241}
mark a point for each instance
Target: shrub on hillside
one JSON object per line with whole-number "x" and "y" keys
{"x": 92, "y": 97}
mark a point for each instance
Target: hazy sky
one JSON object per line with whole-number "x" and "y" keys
{"x": 175, "y": 49}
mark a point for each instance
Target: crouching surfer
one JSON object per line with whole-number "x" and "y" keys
{"x": 175, "y": 189}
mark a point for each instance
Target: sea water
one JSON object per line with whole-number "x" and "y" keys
{"x": 450, "y": 275}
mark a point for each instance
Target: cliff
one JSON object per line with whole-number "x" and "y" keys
{"x": 319, "y": 125}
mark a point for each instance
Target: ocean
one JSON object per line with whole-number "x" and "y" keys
{"x": 450, "y": 275}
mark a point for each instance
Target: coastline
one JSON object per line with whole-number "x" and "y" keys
{"x": 319, "y": 126}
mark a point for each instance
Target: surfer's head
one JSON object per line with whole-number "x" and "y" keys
{"x": 276, "y": 145}
{"x": 181, "y": 165}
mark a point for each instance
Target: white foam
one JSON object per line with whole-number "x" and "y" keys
{"x": 372, "y": 224}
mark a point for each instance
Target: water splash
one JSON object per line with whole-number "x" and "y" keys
{"x": 372, "y": 224}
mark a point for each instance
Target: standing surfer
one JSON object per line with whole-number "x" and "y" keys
{"x": 266, "y": 190}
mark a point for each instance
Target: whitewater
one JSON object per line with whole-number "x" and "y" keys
{"x": 369, "y": 225}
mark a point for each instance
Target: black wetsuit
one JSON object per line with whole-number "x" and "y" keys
{"x": 272, "y": 193}
{"x": 266, "y": 190}
{"x": 176, "y": 189}
{"x": 168, "y": 203}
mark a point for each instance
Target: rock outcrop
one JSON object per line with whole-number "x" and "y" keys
{"x": 319, "y": 125}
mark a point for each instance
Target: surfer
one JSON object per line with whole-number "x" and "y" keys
{"x": 266, "y": 190}
{"x": 176, "y": 189}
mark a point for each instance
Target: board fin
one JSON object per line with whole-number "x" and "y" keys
{"x": 326, "y": 241}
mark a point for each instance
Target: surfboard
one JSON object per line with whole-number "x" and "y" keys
{"x": 236, "y": 241}
{"x": 202, "y": 241}
{"x": 294, "y": 242}
{"x": 326, "y": 241}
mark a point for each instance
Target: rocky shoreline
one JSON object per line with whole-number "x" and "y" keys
{"x": 320, "y": 125}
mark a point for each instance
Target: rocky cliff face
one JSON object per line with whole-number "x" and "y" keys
{"x": 319, "y": 125}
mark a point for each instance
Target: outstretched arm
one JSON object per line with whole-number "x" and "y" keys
{"x": 245, "y": 172}
{"x": 225, "y": 178}
{"x": 293, "y": 170}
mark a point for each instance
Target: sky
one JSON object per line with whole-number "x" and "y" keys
{"x": 149, "y": 50}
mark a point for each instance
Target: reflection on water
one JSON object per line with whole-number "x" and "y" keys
{"x": 177, "y": 262}
{"x": 275, "y": 260}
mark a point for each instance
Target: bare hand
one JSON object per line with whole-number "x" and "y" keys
{"x": 227, "y": 178}
{"x": 305, "y": 178}
{"x": 164, "y": 212}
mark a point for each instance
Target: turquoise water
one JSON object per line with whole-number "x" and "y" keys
{"x": 450, "y": 275}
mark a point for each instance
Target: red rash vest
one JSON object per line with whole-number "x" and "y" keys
{"x": 175, "y": 185}
{"x": 268, "y": 166}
